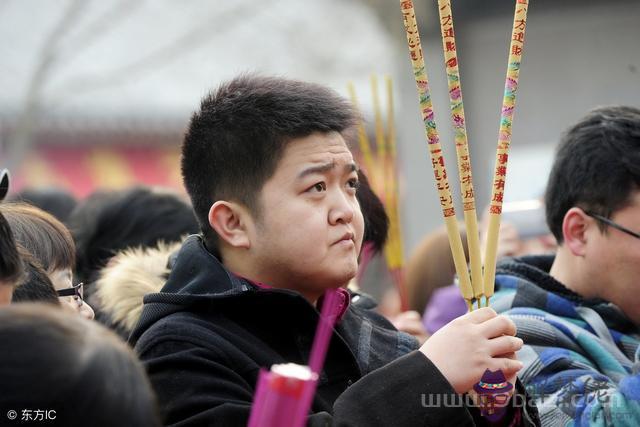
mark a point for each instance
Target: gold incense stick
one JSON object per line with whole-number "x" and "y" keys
{"x": 363, "y": 139}
{"x": 435, "y": 150}
{"x": 381, "y": 146}
{"x": 504, "y": 141}
{"x": 393, "y": 176}
{"x": 462, "y": 147}
{"x": 396, "y": 259}
{"x": 393, "y": 252}
{"x": 381, "y": 167}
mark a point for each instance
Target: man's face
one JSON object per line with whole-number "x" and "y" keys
{"x": 309, "y": 231}
{"x": 616, "y": 260}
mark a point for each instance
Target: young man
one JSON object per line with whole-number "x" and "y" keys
{"x": 273, "y": 185}
{"x": 579, "y": 312}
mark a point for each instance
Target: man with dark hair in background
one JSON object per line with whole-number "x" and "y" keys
{"x": 578, "y": 312}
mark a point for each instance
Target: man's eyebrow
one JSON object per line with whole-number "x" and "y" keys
{"x": 319, "y": 169}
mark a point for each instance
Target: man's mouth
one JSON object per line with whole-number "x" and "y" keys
{"x": 346, "y": 237}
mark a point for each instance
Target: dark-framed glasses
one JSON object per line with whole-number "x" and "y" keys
{"x": 76, "y": 291}
{"x": 615, "y": 225}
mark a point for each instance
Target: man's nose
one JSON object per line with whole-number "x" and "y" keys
{"x": 342, "y": 209}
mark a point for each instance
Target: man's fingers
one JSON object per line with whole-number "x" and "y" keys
{"x": 506, "y": 365}
{"x": 481, "y": 315}
{"x": 510, "y": 356}
{"x": 497, "y": 326}
{"x": 504, "y": 345}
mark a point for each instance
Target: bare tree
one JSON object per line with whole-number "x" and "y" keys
{"x": 217, "y": 24}
{"x": 55, "y": 50}
{"x": 20, "y": 141}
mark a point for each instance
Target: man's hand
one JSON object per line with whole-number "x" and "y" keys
{"x": 467, "y": 346}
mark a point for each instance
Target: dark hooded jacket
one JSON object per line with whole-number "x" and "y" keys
{"x": 205, "y": 336}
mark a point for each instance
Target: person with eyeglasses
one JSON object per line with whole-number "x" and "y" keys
{"x": 50, "y": 243}
{"x": 578, "y": 312}
{"x": 75, "y": 292}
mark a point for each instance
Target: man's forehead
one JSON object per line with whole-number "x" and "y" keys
{"x": 316, "y": 150}
{"x": 330, "y": 166}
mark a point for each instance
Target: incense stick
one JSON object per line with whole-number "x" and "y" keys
{"x": 328, "y": 316}
{"x": 331, "y": 301}
{"x": 462, "y": 147}
{"x": 326, "y": 321}
{"x": 395, "y": 256}
{"x": 363, "y": 139}
{"x": 504, "y": 141}
{"x": 381, "y": 146}
{"x": 435, "y": 150}
{"x": 384, "y": 182}
{"x": 393, "y": 177}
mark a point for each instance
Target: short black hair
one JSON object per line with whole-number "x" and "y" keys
{"x": 58, "y": 361}
{"x": 597, "y": 166}
{"x": 110, "y": 222}
{"x": 376, "y": 221}
{"x": 233, "y": 144}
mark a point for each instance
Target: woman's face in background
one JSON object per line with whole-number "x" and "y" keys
{"x": 63, "y": 279}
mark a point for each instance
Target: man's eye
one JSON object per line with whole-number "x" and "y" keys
{"x": 319, "y": 187}
{"x": 353, "y": 183}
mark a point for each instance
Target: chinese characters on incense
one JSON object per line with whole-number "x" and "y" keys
{"x": 435, "y": 150}
{"x": 462, "y": 147}
{"x": 485, "y": 285}
{"x": 504, "y": 141}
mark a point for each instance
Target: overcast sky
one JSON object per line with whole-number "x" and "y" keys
{"x": 141, "y": 57}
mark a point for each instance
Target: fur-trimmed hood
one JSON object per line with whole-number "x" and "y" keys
{"x": 129, "y": 276}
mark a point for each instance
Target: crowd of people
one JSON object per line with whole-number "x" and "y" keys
{"x": 143, "y": 307}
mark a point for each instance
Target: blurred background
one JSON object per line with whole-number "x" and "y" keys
{"x": 96, "y": 94}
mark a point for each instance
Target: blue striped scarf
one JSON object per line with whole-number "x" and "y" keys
{"x": 581, "y": 356}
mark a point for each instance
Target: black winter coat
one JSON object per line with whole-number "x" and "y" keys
{"x": 205, "y": 336}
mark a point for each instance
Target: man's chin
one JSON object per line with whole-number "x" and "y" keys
{"x": 339, "y": 279}
{"x": 346, "y": 278}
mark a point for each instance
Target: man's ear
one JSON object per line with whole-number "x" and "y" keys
{"x": 228, "y": 219}
{"x": 575, "y": 225}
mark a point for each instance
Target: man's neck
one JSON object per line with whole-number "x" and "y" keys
{"x": 566, "y": 270}
{"x": 239, "y": 266}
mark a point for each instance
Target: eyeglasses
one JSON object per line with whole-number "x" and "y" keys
{"x": 613, "y": 224}
{"x": 76, "y": 291}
